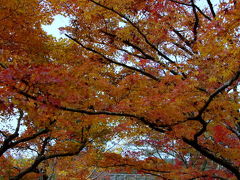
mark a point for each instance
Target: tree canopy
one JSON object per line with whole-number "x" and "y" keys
{"x": 161, "y": 76}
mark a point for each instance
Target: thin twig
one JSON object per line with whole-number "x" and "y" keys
{"x": 113, "y": 61}
{"x": 136, "y": 27}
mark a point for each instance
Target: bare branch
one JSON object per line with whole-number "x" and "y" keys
{"x": 201, "y": 12}
{"x": 19, "y": 122}
{"x": 211, "y": 8}
{"x": 3, "y": 133}
{"x": 186, "y": 4}
{"x": 196, "y": 23}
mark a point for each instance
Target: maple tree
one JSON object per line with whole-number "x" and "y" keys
{"x": 163, "y": 74}
{"x": 33, "y": 132}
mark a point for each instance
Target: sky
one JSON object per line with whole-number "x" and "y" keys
{"x": 53, "y": 29}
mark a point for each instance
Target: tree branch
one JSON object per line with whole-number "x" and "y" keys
{"x": 134, "y": 46}
{"x": 3, "y": 134}
{"x": 137, "y": 28}
{"x": 42, "y": 157}
{"x": 45, "y": 142}
{"x": 219, "y": 90}
{"x": 183, "y": 48}
{"x": 142, "y": 119}
{"x": 7, "y": 141}
{"x": 146, "y": 56}
{"x": 209, "y": 155}
{"x": 211, "y": 8}
{"x": 188, "y": 43}
{"x": 8, "y": 144}
{"x": 3, "y": 65}
{"x": 19, "y": 122}
{"x": 186, "y": 4}
{"x": 234, "y": 131}
{"x": 196, "y": 23}
{"x": 202, "y": 130}
{"x": 113, "y": 61}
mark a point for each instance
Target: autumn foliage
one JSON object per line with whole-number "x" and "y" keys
{"x": 161, "y": 77}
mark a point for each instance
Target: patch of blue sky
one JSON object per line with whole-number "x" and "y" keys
{"x": 53, "y": 29}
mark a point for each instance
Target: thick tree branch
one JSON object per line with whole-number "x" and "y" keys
{"x": 7, "y": 141}
{"x": 142, "y": 119}
{"x": 196, "y": 22}
{"x": 209, "y": 155}
{"x": 18, "y": 122}
{"x": 219, "y": 90}
{"x": 202, "y": 130}
{"x": 8, "y": 144}
{"x": 41, "y": 157}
